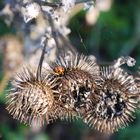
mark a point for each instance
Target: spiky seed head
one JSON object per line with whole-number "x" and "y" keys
{"x": 137, "y": 79}
{"x": 31, "y": 100}
{"x": 113, "y": 102}
{"x": 76, "y": 80}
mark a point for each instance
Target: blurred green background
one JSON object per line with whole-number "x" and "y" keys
{"x": 116, "y": 33}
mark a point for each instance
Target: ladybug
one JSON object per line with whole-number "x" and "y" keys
{"x": 59, "y": 70}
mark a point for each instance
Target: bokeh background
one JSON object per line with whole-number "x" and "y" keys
{"x": 111, "y": 31}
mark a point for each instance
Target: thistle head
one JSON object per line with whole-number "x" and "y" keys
{"x": 114, "y": 100}
{"x": 76, "y": 80}
{"x": 30, "y": 100}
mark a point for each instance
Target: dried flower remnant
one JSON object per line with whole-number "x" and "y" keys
{"x": 31, "y": 100}
{"x": 77, "y": 74}
{"x": 67, "y": 4}
{"x": 124, "y": 60}
{"x": 30, "y": 11}
{"x": 114, "y": 100}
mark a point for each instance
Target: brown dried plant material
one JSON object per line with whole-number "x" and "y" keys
{"x": 13, "y": 57}
{"x": 76, "y": 75}
{"x": 114, "y": 100}
{"x": 31, "y": 100}
{"x": 13, "y": 53}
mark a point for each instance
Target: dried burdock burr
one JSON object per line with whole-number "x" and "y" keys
{"x": 137, "y": 79}
{"x": 31, "y": 99}
{"x": 114, "y": 100}
{"x": 76, "y": 75}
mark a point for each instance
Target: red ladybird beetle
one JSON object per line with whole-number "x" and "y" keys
{"x": 59, "y": 70}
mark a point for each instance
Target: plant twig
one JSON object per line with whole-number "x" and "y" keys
{"x": 59, "y": 4}
{"x": 57, "y": 35}
{"x": 83, "y": 1}
{"x": 41, "y": 60}
{"x": 55, "y": 5}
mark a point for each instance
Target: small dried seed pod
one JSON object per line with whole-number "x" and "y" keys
{"x": 31, "y": 100}
{"x": 113, "y": 102}
{"x": 76, "y": 75}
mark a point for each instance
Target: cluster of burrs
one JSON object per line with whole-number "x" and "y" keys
{"x": 105, "y": 97}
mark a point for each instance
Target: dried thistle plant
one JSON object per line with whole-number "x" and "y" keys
{"x": 76, "y": 75}
{"x": 105, "y": 97}
{"x": 31, "y": 100}
{"x": 114, "y": 100}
